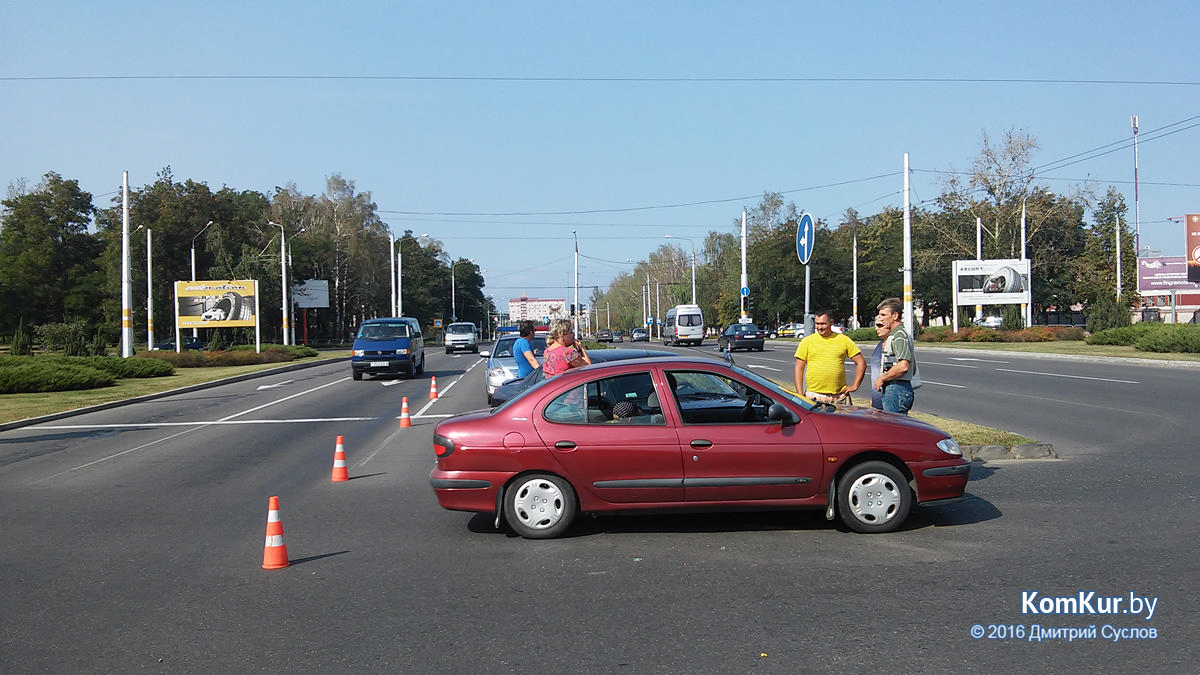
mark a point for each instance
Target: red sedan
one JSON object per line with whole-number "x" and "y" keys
{"x": 686, "y": 433}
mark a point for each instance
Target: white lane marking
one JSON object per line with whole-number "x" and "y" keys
{"x": 753, "y": 365}
{"x": 389, "y": 383}
{"x": 950, "y": 365}
{"x": 971, "y": 358}
{"x": 285, "y": 398}
{"x": 114, "y": 456}
{"x": 945, "y": 384}
{"x": 273, "y": 386}
{"x": 1076, "y": 377}
{"x": 421, "y": 412}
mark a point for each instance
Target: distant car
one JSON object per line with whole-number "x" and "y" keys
{"x": 512, "y": 388}
{"x": 462, "y": 335}
{"x": 788, "y": 330}
{"x": 618, "y": 336}
{"x": 740, "y": 336}
{"x": 604, "y": 335}
{"x": 501, "y": 365}
{"x": 639, "y": 335}
{"x": 193, "y": 343}
{"x": 686, "y": 433}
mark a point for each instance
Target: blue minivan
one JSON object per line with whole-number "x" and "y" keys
{"x": 393, "y": 345}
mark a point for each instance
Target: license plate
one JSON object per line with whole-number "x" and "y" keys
{"x": 379, "y": 364}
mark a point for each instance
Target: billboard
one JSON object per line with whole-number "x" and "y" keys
{"x": 991, "y": 282}
{"x": 215, "y": 304}
{"x": 1160, "y": 276}
{"x": 312, "y": 294}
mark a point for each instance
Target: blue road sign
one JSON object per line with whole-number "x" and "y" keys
{"x": 805, "y": 231}
{"x": 745, "y": 291}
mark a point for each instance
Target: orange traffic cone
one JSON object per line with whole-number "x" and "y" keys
{"x": 432, "y": 388}
{"x": 340, "y": 472}
{"x": 275, "y": 552}
{"x": 405, "y": 421}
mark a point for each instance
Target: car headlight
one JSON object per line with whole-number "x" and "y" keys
{"x": 950, "y": 447}
{"x": 401, "y": 351}
{"x": 360, "y": 352}
{"x": 496, "y": 372}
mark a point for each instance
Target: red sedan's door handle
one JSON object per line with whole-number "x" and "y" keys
{"x": 701, "y": 443}
{"x": 565, "y": 445}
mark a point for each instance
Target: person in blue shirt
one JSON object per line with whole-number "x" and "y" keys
{"x": 523, "y": 350}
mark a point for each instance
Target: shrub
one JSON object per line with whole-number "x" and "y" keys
{"x": 985, "y": 335}
{"x": 241, "y": 356}
{"x": 1067, "y": 333}
{"x": 1107, "y": 313}
{"x": 1034, "y": 334}
{"x": 22, "y": 345}
{"x": 1126, "y": 335}
{"x": 934, "y": 334}
{"x": 862, "y": 335}
{"x": 25, "y": 375}
{"x": 1170, "y": 338}
{"x": 125, "y": 368}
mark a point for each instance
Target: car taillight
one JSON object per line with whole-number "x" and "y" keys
{"x": 442, "y": 446}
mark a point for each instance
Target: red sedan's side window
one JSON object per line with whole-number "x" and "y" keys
{"x": 708, "y": 398}
{"x": 624, "y": 399}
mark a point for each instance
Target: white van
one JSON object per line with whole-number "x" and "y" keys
{"x": 683, "y": 324}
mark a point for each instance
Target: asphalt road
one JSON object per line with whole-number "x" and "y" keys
{"x": 132, "y": 540}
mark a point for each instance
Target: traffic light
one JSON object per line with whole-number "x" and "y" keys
{"x": 572, "y": 309}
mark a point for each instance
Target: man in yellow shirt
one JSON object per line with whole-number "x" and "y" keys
{"x": 821, "y": 358}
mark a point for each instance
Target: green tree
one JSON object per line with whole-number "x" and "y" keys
{"x": 1095, "y": 271}
{"x": 49, "y": 262}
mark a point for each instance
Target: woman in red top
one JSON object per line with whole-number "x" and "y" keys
{"x": 562, "y": 352}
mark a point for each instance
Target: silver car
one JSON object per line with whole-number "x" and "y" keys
{"x": 502, "y": 365}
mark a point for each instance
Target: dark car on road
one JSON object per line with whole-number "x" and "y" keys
{"x": 741, "y": 336}
{"x": 604, "y": 335}
{"x": 686, "y": 433}
{"x": 193, "y": 343}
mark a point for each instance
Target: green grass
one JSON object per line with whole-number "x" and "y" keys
{"x": 972, "y": 434}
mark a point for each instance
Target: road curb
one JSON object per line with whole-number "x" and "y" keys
{"x": 17, "y": 424}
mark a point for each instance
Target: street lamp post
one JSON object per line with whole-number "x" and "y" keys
{"x": 195, "y": 331}
{"x": 150, "y": 295}
{"x": 693, "y": 263}
{"x": 283, "y": 279}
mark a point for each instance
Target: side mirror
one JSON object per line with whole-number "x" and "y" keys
{"x": 483, "y": 353}
{"x": 778, "y": 413}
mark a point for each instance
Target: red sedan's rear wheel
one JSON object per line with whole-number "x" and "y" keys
{"x": 539, "y": 506}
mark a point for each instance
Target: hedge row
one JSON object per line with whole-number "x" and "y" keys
{"x": 1152, "y": 337}
{"x": 978, "y": 334}
{"x": 31, "y": 374}
{"x": 25, "y": 375}
{"x": 240, "y": 356}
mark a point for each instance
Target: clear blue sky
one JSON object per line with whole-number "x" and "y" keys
{"x": 500, "y": 127}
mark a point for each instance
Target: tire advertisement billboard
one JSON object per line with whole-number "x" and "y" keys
{"x": 991, "y": 282}
{"x": 216, "y": 304}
